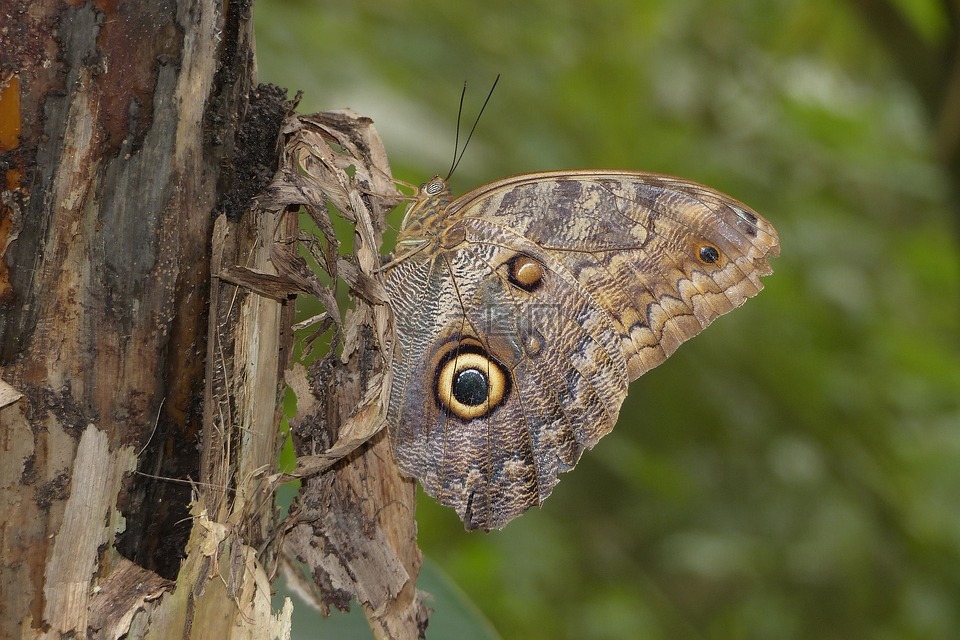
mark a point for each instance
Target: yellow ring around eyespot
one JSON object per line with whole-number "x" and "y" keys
{"x": 496, "y": 385}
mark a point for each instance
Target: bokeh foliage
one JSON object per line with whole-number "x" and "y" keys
{"x": 794, "y": 472}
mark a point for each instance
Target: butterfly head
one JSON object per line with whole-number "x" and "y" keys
{"x": 424, "y": 214}
{"x": 434, "y": 187}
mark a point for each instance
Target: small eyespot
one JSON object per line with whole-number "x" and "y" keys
{"x": 709, "y": 254}
{"x": 533, "y": 342}
{"x": 525, "y": 272}
{"x": 469, "y": 383}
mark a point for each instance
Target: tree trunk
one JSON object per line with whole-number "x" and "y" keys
{"x": 132, "y": 137}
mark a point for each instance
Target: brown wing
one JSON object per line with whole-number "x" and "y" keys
{"x": 516, "y": 341}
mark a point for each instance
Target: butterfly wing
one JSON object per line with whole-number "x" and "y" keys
{"x": 546, "y": 294}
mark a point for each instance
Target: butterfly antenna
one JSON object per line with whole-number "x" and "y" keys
{"x": 456, "y": 140}
{"x": 457, "y": 159}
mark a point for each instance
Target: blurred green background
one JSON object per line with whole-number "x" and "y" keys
{"x": 794, "y": 472}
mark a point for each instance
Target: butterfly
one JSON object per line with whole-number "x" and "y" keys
{"x": 524, "y": 309}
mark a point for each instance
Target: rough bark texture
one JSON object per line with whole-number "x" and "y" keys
{"x": 125, "y": 130}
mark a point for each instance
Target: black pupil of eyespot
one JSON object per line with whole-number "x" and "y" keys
{"x": 470, "y": 387}
{"x": 709, "y": 254}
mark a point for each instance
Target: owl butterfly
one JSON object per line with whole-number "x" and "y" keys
{"x": 525, "y": 307}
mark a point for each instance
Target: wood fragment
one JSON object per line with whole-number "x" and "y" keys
{"x": 125, "y": 592}
{"x": 8, "y": 395}
{"x": 70, "y": 570}
{"x": 267, "y": 285}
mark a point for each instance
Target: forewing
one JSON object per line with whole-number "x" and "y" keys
{"x": 637, "y": 243}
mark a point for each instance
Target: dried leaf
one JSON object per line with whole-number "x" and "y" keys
{"x": 354, "y": 523}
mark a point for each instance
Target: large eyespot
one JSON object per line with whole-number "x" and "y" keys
{"x": 469, "y": 383}
{"x": 708, "y": 254}
{"x": 471, "y": 387}
{"x": 525, "y": 272}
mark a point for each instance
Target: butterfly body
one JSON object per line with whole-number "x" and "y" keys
{"x": 525, "y": 307}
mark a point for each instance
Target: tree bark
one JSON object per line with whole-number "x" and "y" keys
{"x": 132, "y": 136}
